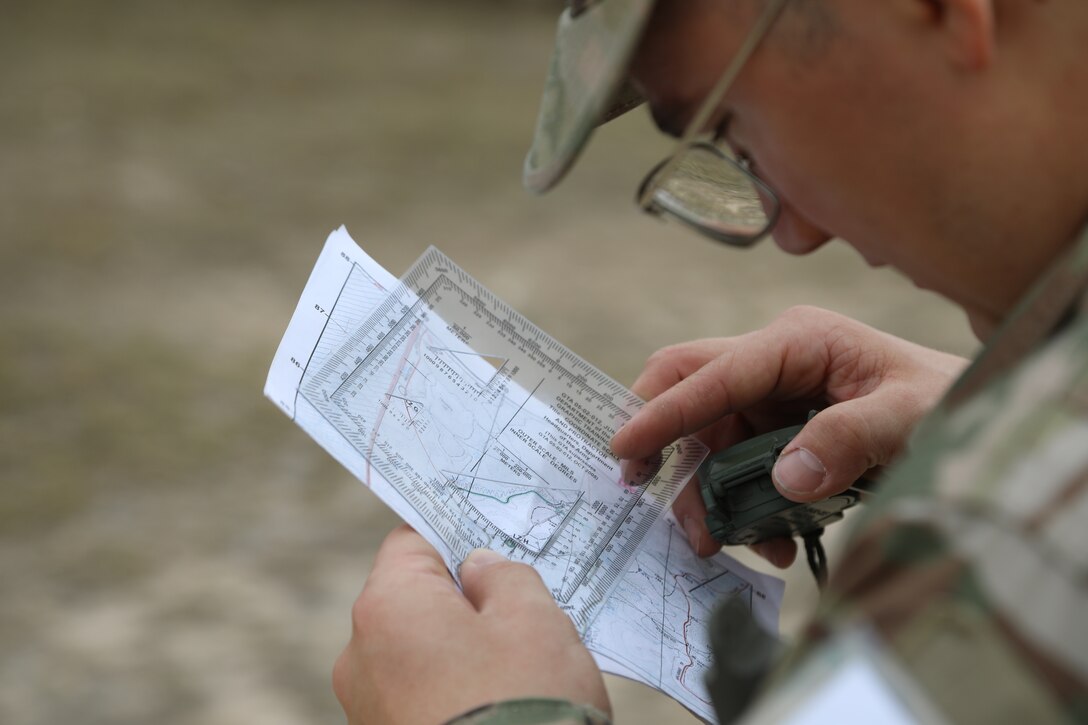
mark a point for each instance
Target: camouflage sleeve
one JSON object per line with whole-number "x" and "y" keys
{"x": 971, "y": 566}
{"x": 533, "y": 711}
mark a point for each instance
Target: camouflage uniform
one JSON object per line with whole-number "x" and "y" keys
{"x": 537, "y": 711}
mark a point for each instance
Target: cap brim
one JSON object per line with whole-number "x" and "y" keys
{"x": 586, "y": 85}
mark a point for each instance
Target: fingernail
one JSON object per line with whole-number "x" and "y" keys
{"x": 639, "y": 471}
{"x": 799, "y": 472}
{"x": 481, "y": 559}
{"x": 691, "y": 528}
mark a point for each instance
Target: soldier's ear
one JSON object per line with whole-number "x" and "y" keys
{"x": 967, "y": 28}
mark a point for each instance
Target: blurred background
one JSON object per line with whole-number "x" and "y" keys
{"x": 172, "y": 548}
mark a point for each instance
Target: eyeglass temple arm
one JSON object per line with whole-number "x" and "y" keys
{"x": 715, "y": 95}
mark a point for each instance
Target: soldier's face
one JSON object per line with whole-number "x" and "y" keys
{"x": 849, "y": 123}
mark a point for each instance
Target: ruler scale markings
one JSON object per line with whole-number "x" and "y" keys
{"x": 596, "y": 530}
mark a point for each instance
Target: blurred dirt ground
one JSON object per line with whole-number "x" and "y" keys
{"x": 173, "y": 549}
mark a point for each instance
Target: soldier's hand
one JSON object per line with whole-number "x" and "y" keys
{"x": 874, "y": 388}
{"x": 423, "y": 652}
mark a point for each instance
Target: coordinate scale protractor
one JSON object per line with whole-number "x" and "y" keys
{"x": 497, "y": 434}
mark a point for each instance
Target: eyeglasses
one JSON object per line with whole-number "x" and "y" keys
{"x": 705, "y": 186}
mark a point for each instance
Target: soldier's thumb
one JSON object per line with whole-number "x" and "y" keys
{"x": 836, "y": 448}
{"x": 490, "y": 581}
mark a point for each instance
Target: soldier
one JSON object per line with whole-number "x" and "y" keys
{"x": 948, "y": 138}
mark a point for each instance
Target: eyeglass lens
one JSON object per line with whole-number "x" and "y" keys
{"x": 712, "y": 192}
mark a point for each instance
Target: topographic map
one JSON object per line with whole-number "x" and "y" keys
{"x": 482, "y": 431}
{"x": 653, "y": 628}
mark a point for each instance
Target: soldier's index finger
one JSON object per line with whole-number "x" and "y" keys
{"x": 673, "y": 364}
{"x": 744, "y": 375}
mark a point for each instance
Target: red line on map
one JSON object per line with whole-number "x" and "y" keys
{"x": 408, "y": 345}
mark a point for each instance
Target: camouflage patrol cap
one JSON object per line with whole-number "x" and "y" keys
{"x": 586, "y": 84}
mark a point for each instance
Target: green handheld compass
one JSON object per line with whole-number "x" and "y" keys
{"x": 744, "y": 507}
